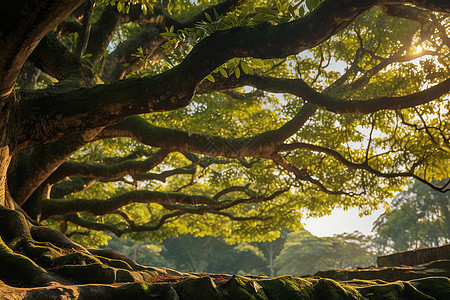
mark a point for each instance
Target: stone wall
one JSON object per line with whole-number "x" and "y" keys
{"x": 415, "y": 257}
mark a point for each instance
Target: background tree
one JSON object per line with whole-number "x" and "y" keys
{"x": 306, "y": 254}
{"x": 99, "y": 145}
{"x": 419, "y": 218}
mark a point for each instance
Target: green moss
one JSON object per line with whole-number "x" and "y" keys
{"x": 287, "y": 287}
{"x": 128, "y": 276}
{"x": 241, "y": 288}
{"x": 17, "y": 267}
{"x": 197, "y": 288}
{"x": 331, "y": 290}
{"x": 437, "y": 287}
{"x": 393, "y": 291}
{"x": 143, "y": 291}
{"x": 91, "y": 273}
{"x": 116, "y": 263}
{"x": 77, "y": 258}
{"x": 43, "y": 254}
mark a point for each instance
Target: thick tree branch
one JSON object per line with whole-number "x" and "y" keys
{"x": 261, "y": 145}
{"x": 106, "y": 104}
{"x": 34, "y": 166}
{"x": 85, "y": 29}
{"x": 149, "y": 39}
{"x": 173, "y": 201}
{"x": 54, "y": 59}
{"x": 19, "y": 36}
{"x": 108, "y": 172}
{"x": 77, "y": 220}
{"x": 52, "y": 207}
{"x": 341, "y": 106}
{"x": 72, "y": 185}
{"x": 164, "y": 175}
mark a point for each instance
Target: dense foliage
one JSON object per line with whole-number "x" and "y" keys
{"x": 334, "y": 160}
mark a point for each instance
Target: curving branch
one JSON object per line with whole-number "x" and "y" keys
{"x": 426, "y": 19}
{"x": 360, "y": 166}
{"x": 108, "y": 172}
{"x": 122, "y": 61}
{"x": 52, "y": 207}
{"x": 260, "y": 145}
{"x": 35, "y": 165}
{"x": 303, "y": 175}
{"x": 85, "y": 31}
{"x": 197, "y": 204}
{"x": 165, "y": 174}
{"x": 72, "y": 185}
{"x": 301, "y": 89}
{"x": 77, "y": 220}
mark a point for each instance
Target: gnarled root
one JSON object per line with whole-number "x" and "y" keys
{"x": 32, "y": 255}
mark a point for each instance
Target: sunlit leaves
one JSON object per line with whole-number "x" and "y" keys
{"x": 368, "y": 59}
{"x": 124, "y": 6}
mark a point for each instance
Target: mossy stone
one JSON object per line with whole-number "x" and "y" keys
{"x": 241, "y": 288}
{"x": 437, "y": 287}
{"x": 393, "y": 291}
{"x": 128, "y": 276}
{"x": 288, "y": 287}
{"x": 116, "y": 263}
{"x": 331, "y": 290}
{"x": 144, "y": 291}
{"x": 77, "y": 258}
{"x": 197, "y": 289}
{"x": 91, "y": 273}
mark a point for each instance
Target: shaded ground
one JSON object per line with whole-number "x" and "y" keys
{"x": 39, "y": 263}
{"x": 206, "y": 286}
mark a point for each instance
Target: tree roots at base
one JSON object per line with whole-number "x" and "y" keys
{"x": 32, "y": 267}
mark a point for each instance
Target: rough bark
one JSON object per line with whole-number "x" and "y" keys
{"x": 19, "y": 35}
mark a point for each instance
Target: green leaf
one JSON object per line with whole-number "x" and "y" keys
{"x": 167, "y": 59}
{"x": 169, "y": 34}
{"x": 312, "y": 4}
{"x": 237, "y": 71}
{"x": 210, "y": 78}
{"x": 223, "y": 72}
{"x": 216, "y": 15}
{"x": 246, "y": 68}
{"x": 208, "y": 17}
{"x": 120, "y": 6}
{"x": 291, "y": 10}
{"x": 266, "y": 11}
{"x": 144, "y": 9}
{"x": 301, "y": 11}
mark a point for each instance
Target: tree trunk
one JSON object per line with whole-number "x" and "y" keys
{"x": 7, "y": 133}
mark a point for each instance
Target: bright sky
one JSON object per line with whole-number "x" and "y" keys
{"x": 341, "y": 221}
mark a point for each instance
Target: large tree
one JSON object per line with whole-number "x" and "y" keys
{"x": 92, "y": 96}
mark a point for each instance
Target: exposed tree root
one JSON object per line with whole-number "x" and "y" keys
{"x": 39, "y": 263}
{"x": 35, "y": 256}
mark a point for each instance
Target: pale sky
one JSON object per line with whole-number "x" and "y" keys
{"x": 341, "y": 221}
